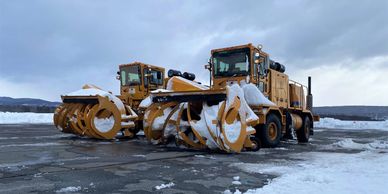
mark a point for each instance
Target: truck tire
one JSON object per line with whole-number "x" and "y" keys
{"x": 303, "y": 134}
{"x": 271, "y": 133}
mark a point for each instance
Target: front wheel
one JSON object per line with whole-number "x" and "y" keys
{"x": 303, "y": 134}
{"x": 270, "y": 133}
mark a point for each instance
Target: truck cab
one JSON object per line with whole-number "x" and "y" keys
{"x": 137, "y": 80}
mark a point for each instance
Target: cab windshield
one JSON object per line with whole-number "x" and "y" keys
{"x": 231, "y": 63}
{"x": 130, "y": 75}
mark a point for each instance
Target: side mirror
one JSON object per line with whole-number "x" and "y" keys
{"x": 208, "y": 67}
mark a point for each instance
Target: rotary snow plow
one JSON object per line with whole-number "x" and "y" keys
{"x": 98, "y": 114}
{"x": 199, "y": 117}
{"x": 95, "y": 113}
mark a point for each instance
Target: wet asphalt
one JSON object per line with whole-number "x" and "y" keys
{"x": 40, "y": 159}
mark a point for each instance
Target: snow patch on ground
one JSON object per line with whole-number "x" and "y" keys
{"x": 25, "y": 117}
{"x": 163, "y": 186}
{"x": 321, "y": 172}
{"x": 330, "y": 123}
{"x": 230, "y": 192}
{"x": 236, "y": 180}
{"x": 69, "y": 189}
{"x": 348, "y": 143}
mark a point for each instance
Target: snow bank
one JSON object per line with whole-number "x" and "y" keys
{"x": 322, "y": 172}
{"x": 348, "y": 143}
{"x": 27, "y": 117}
{"x": 330, "y": 123}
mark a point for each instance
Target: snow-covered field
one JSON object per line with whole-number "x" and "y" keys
{"x": 327, "y": 172}
{"x": 25, "y": 117}
{"x": 331, "y": 123}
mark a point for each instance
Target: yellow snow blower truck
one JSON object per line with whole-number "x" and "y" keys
{"x": 95, "y": 113}
{"x": 250, "y": 103}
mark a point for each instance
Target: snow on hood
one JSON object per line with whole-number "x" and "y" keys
{"x": 195, "y": 84}
{"x": 254, "y": 97}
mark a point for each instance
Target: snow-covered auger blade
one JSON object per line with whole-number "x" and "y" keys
{"x": 200, "y": 118}
{"x": 94, "y": 113}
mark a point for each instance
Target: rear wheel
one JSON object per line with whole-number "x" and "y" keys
{"x": 303, "y": 134}
{"x": 270, "y": 133}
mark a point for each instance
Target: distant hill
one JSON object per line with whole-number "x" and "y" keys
{"x": 8, "y": 104}
{"x": 368, "y": 113}
{"x": 26, "y": 101}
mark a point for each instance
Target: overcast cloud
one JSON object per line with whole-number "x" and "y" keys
{"x": 48, "y": 48}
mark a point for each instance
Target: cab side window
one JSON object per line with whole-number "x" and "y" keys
{"x": 123, "y": 78}
{"x": 155, "y": 77}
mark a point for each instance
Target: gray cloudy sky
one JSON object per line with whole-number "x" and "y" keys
{"x": 48, "y": 48}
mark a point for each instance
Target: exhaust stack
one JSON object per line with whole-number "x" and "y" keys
{"x": 309, "y": 96}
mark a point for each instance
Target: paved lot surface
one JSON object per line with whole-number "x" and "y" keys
{"x": 39, "y": 159}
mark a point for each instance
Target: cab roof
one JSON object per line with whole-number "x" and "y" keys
{"x": 141, "y": 64}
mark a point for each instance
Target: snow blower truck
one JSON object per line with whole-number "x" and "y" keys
{"x": 95, "y": 113}
{"x": 250, "y": 103}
